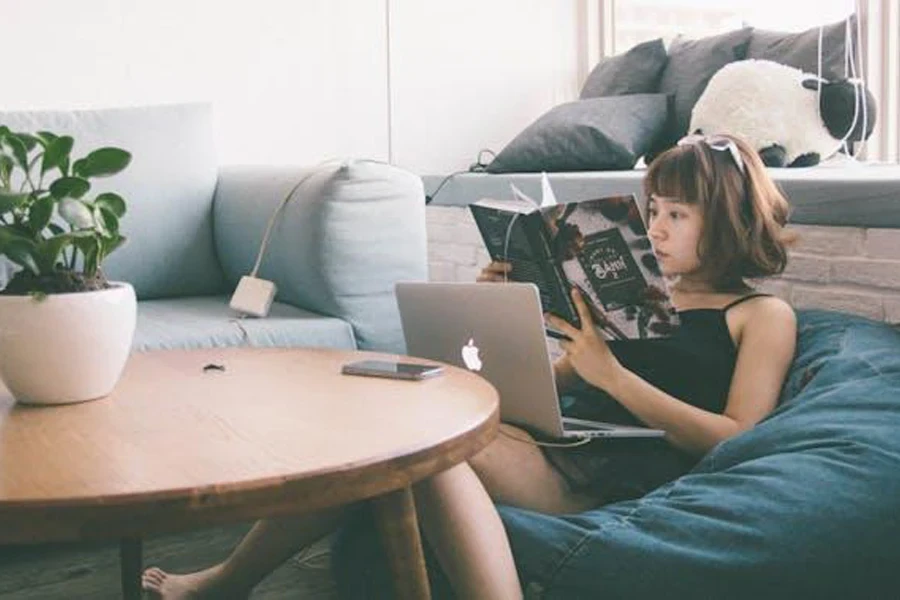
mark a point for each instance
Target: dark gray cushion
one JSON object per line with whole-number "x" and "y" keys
{"x": 800, "y": 50}
{"x": 586, "y": 135}
{"x": 634, "y": 72}
{"x": 690, "y": 66}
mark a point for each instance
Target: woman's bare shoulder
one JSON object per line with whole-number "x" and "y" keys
{"x": 769, "y": 314}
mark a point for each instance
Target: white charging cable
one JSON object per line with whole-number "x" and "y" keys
{"x": 278, "y": 211}
{"x": 253, "y": 296}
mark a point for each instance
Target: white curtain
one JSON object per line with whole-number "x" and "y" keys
{"x": 880, "y": 21}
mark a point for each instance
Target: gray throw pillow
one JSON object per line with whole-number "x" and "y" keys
{"x": 691, "y": 65}
{"x": 596, "y": 134}
{"x": 634, "y": 72}
{"x": 800, "y": 50}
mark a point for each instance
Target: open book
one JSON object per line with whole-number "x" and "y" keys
{"x": 600, "y": 246}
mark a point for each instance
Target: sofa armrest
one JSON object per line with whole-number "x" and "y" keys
{"x": 349, "y": 233}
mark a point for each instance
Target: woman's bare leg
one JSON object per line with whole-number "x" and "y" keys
{"x": 265, "y": 547}
{"x": 462, "y": 526}
{"x": 458, "y": 517}
{"x": 515, "y": 472}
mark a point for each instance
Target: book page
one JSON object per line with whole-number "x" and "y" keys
{"x": 603, "y": 249}
{"x": 548, "y": 198}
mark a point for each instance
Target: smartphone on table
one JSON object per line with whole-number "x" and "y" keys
{"x": 392, "y": 369}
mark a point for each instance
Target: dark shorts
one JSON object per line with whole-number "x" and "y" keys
{"x": 614, "y": 469}
{"x": 618, "y": 469}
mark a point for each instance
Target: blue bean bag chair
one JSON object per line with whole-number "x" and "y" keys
{"x": 804, "y": 505}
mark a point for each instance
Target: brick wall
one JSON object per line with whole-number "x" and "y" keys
{"x": 850, "y": 269}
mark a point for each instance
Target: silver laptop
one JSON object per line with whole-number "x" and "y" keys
{"x": 498, "y": 331}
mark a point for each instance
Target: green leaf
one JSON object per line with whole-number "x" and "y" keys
{"x": 18, "y": 229}
{"x": 28, "y": 140}
{"x": 69, "y": 187}
{"x": 11, "y": 200}
{"x": 102, "y": 163}
{"x": 108, "y": 221}
{"x": 48, "y": 251}
{"x": 78, "y": 165}
{"x": 45, "y": 137}
{"x": 4, "y": 131}
{"x": 90, "y": 247}
{"x": 6, "y": 167}
{"x": 57, "y": 151}
{"x": 20, "y": 252}
{"x": 75, "y": 213}
{"x": 9, "y": 234}
{"x": 19, "y": 152}
{"x": 111, "y": 243}
{"x": 40, "y": 213}
{"x": 114, "y": 203}
{"x": 55, "y": 229}
{"x": 85, "y": 243}
{"x": 99, "y": 221}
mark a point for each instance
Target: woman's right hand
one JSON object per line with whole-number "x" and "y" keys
{"x": 496, "y": 272}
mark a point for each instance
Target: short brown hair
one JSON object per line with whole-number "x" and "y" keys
{"x": 743, "y": 213}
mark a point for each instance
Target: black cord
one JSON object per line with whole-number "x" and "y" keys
{"x": 430, "y": 197}
{"x": 479, "y": 166}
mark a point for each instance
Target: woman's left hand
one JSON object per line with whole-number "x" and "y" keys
{"x": 586, "y": 351}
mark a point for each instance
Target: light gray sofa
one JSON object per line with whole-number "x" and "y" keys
{"x": 194, "y": 228}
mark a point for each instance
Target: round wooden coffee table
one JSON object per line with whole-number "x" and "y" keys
{"x": 196, "y": 438}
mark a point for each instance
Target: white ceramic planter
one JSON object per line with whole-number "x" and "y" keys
{"x": 66, "y": 347}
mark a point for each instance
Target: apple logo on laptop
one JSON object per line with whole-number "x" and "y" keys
{"x": 470, "y": 356}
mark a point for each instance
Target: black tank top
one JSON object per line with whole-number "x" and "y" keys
{"x": 694, "y": 365}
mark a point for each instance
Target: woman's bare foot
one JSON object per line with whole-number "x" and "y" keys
{"x": 191, "y": 586}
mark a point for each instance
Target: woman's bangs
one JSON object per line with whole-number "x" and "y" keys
{"x": 674, "y": 176}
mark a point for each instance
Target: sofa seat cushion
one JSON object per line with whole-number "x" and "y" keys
{"x": 208, "y": 322}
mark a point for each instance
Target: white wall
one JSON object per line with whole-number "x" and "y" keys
{"x": 291, "y": 81}
{"x": 298, "y": 81}
{"x": 470, "y": 74}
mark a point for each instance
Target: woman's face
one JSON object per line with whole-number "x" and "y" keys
{"x": 674, "y": 229}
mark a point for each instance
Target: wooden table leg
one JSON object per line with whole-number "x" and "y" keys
{"x": 130, "y": 564}
{"x": 395, "y": 517}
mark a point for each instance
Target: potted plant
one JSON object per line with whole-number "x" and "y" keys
{"x": 65, "y": 331}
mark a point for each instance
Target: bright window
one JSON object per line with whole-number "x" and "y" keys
{"x": 641, "y": 20}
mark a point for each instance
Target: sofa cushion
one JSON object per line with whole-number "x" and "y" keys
{"x": 633, "y": 72}
{"x": 800, "y": 50}
{"x": 168, "y": 187}
{"x": 352, "y": 230}
{"x": 690, "y": 66}
{"x": 208, "y": 322}
{"x": 597, "y": 134}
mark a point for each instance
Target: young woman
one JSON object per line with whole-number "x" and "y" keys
{"x": 715, "y": 220}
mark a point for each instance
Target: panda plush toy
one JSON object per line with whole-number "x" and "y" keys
{"x": 792, "y": 118}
